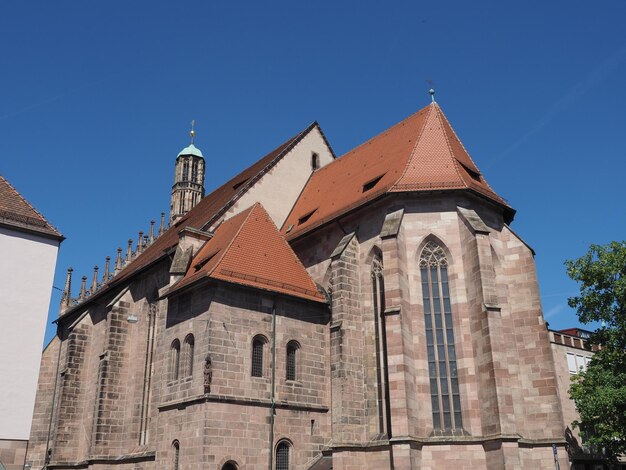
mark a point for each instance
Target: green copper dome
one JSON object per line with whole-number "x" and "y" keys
{"x": 191, "y": 150}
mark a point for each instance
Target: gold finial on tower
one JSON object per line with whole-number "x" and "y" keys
{"x": 192, "y": 133}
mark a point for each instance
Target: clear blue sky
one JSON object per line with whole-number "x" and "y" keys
{"x": 97, "y": 98}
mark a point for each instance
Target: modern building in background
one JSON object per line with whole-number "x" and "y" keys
{"x": 372, "y": 311}
{"x": 28, "y": 253}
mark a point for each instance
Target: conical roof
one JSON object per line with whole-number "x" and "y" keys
{"x": 420, "y": 153}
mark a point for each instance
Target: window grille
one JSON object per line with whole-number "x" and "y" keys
{"x": 257, "y": 357}
{"x": 442, "y": 369}
{"x": 282, "y": 456}
{"x": 292, "y": 349}
{"x": 176, "y": 447}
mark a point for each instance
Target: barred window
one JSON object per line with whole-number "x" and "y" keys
{"x": 442, "y": 369}
{"x": 175, "y": 360}
{"x": 258, "y": 344}
{"x": 176, "y": 449}
{"x": 188, "y": 356}
{"x": 282, "y": 456}
{"x": 292, "y": 351}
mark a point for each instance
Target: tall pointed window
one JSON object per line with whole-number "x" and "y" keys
{"x": 382, "y": 375}
{"x": 187, "y": 362}
{"x": 176, "y": 456}
{"x": 175, "y": 360}
{"x": 444, "y": 382}
{"x": 185, "y": 175}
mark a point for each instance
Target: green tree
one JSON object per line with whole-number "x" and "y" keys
{"x": 600, "y": 392}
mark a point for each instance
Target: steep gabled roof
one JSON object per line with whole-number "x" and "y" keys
{"x": 204, "y": 214}
{"x": 212, "y": 206}
{"x": 248, "y": 249}
{"x": 17, "y": 212}
{"x": 421, "y": 153}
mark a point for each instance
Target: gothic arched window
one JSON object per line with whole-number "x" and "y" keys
{"x": 176, "y": 459}
{"x": 315, "y": 161}
{"x": 382, "y": 376}
{"x": 442, "y": 371}
{"x": 282, "y": 455}
{"x": 175, "y": 360}
{"x": 188, "y": 355}
{"x": 185, "y": 175}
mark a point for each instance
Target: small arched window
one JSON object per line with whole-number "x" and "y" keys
{"x": 176, "y": 455}
{"x": 258, "y": 344}
{"x": 229, "y": 466}
{"x": 188, "y": 356}
{"x": 282, "y": 455}
{"x": 292, "y": 353}
{"x": 175, "y": 360}
{"x": 185, "y": 175}
{"x": 315, "y": 161}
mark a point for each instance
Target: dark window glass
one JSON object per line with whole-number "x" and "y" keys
{"x": 257, "y": 357}
{"x": 315, "y": 161}
{"x": 229, "y": 466}
{"x": 292, "y": 349}
{"x": 282, "y": 456}
{"x": 176, "y": 448}
{"x": 444, "y": 383}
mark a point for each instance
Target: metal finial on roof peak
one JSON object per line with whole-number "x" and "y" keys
{"x": 432, "y": 94}
{"x": 192, "y": 133}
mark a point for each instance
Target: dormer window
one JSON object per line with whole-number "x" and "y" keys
{"x": 315, "y": 161}
{"x": 371, "y": 183}
{"x": 306, "y": 217}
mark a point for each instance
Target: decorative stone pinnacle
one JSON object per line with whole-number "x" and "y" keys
{"x": 83, "y": 288}
{"x": 151, "y": 239}
{"x": 118, "y": 261}
{"x": 162, "y": 226}
{"x": 140, "y": 243}
{"x": 94, "y": 281}
{"x": 129, "y": 251}
{"x": 67, "y": 292}
{"x": 107, "y": 269}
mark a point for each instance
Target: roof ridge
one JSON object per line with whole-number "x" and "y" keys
{"x": 232, "y": 240}
{"x": 445, "y": 118}
{"x": 417, "y": 141}
{"x": 455, "y": 162}
{"x": 325, "y": 167}
{"x": 291, "y": 143}
{"x": 48, "y": 224}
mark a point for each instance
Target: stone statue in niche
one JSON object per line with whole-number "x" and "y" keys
{"x": 208, "y": 374}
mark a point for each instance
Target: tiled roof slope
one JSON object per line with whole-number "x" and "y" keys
{"x": 17, "y": 212}
{"x": 421, "y": 153}
{"x": 249, "y": 250}
{"x": 211, "y": 207}
{"x": 204, "y": 214}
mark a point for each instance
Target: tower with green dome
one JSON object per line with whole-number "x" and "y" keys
{"x": 188, "y": 186}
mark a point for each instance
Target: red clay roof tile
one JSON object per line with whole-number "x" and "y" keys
{"x": 248, "y": 249}
{"x": 19, "y": 213}
{"x": 420, "y": 153}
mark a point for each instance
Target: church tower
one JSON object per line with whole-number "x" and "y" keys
{"x": 188, "y": 186}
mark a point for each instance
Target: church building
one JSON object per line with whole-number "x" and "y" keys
{"x": 371, "y": 311}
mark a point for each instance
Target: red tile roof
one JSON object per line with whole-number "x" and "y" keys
{"x": 16, "y": 212}
{"x": 249, "y": 250}
{"x": 421, "y": 153}
{"x": 206, "y": 212}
